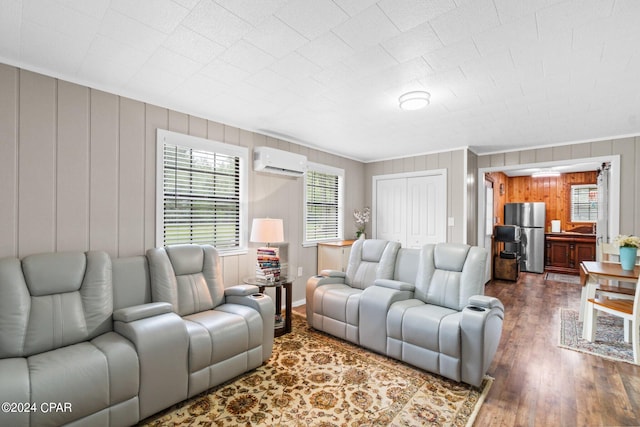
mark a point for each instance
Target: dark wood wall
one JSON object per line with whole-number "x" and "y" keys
{"x": 554, "y": 191}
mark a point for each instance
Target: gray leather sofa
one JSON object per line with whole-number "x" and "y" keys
{"x": 84, "y": 341}
{"x": 432, "y": 312}
{"x": 333, "y": 296}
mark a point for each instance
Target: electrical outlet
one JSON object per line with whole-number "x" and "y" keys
{"x": 299, "y": 271}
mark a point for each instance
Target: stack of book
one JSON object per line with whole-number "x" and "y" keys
{"x": 268, "y": 264}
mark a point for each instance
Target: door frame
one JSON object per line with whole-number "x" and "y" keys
{"x": 374, "y": 195}
{"x": 614, "y": 187}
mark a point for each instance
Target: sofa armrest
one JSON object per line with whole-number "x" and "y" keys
{"x": 481, "y": 327}
{"x": 264, "y": 305}
{"x": 16, "y": 387}
{"x": 162, "y": 344}
{"x": 485, "y": 302}
{"x": 395, "y": 284}
{"x": 332, "y": 273}
{"x": 375, "y": 302}
{"x": 241, "y": 290}
{"x": 330, "y": 277}
{"x": 142, "y": 311}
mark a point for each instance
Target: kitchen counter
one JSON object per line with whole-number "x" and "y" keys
{"x": 565, "y": 251}
{"x": 570, "y": 233}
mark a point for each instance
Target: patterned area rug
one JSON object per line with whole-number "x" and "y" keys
{"x": 314, "y": 379}
{"x": 565, "y": 278}
{"x": 609, "y": 341}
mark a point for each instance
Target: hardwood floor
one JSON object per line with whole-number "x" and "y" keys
{"x": 539, "y": 384}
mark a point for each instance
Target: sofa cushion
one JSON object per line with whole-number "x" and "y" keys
{"x": 186, "y": 259}
{"x": 449, "y": 274}
{"x": 41, "y": 312}
{"x": 406, "y": 267}
{"x": 90, "y": 376}
{"x": 47, "y": 274}
{"x": 370, "y": 260}
{"x": 432, "y": 327}
{"x": 219, "y": 334}
{"x": 188, "y": 277}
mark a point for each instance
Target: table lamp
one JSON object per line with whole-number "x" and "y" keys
{"x": 267, "y": 230}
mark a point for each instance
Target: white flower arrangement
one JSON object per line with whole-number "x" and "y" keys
{"x": 625, "y": 241}
{"x": 361, "y": 218}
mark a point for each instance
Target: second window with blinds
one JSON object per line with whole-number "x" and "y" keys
{"x": 323, "y": 204}
{"x": 201, "y": 192}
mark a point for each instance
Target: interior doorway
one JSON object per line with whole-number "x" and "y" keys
{"x": 612, "y": 203}
{"x": 489, "y": 216}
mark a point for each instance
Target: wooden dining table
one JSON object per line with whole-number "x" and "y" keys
{"x": 591, "y": 272}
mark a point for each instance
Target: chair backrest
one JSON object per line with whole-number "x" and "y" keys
{"x": 48, "y": 301}
{"x": 188, "y": 277}
{"x": 370, "y": 260}
{"x": 608, "y": 252}
{"x": 450, "y": 273}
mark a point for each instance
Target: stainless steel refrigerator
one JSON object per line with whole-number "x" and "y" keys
{"x": 530, "y": 217}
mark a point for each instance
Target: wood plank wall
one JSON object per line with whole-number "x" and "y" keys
{"x": 554, "y": 191}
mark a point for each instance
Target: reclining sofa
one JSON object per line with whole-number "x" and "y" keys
{"x": 430, "y": 313}
{"x": 90, "y": 341}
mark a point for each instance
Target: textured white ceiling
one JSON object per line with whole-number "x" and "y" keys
{"x": 503, "y": 74}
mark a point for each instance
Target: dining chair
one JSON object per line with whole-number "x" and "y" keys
{"x": 609, "y": 252}
{"x": 628, "y": 310}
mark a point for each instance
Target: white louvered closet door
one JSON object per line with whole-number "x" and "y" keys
{"x": 411, "y": 210}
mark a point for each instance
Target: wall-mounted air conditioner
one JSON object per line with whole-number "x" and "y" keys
{"x": 267, "y": 159}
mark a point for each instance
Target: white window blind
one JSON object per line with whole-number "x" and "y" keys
{"x": 584, "y": 203}
{"x": 323, "y": 203}
{"x": 201, "y": 192}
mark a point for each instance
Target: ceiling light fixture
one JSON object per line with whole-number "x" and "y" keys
{"x": 545, "y": 173}
{"x": 414, "y": 100}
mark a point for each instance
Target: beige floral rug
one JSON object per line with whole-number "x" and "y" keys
{"x": 313, "y": 379}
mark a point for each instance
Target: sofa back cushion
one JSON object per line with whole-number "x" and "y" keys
{"x": 186, "y": 276}
{"x": 407, "y": 262}
{"x": 130, "y": 281}
{"x": 450, "y": 273}
{"x": 48, "y": 301}
{"x": 370, "y": 260}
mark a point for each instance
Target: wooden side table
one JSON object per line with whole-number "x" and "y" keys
{"x": 282, "y": 325}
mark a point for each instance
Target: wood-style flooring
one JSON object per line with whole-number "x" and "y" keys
{"x": 539, "y": 384}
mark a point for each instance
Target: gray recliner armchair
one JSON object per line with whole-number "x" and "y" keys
{"x": 333, "y": 297}
{"x": 441, "y": 322}
{"x": 230, "y": 330}
{"x": 57, "y": 344}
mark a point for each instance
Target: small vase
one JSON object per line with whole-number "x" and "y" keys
{"x": 628, "y": 257}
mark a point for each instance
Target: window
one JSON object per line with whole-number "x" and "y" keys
{"x": 324, "y": 204}
{"x": 584, "y": 203}
{"x": 201, "y": 187}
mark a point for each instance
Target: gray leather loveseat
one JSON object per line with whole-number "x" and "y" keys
{"x": 86, "y": 340}
{"x": 431, "y": 313}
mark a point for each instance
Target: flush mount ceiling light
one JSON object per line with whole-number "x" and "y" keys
{"x": 545, "y": 173}
{"x": 414, "y": 100}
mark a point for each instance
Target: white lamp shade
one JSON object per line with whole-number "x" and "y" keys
{"x": 267, "y": 230}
